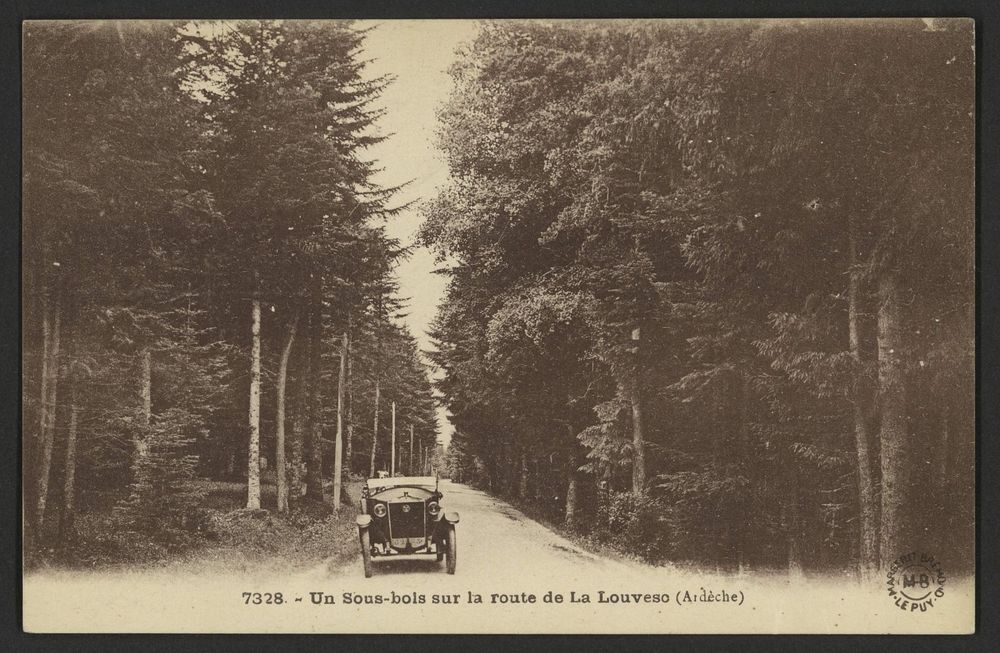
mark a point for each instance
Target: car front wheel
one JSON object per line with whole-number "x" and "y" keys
{"x": 451, "y": 553}
{"x": 366, "y": 551}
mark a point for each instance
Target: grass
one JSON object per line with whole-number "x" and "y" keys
{"x": 229, "y": 539}
{"x": 264, "y": 540}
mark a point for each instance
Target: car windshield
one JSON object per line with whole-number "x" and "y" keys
{"x": 429, "y": 482}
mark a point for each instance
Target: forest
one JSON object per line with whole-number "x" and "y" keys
{"x": 710, "y": 289}
{"x": 209, "y": 299}
{"x": 711, "y": 286}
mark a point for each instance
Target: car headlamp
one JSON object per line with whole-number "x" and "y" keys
{"x": 379, "y": 510}
{"x": 433, "y": 508}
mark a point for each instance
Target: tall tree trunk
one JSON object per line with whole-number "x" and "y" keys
{"x": 147, "y": 386}
{"x": 944, "y": 448}
{"x": 349, "y": 439}
{"x": 638, "y": 433}
{"x": 48, "y": 434}
{"x": 861, "y": 396}
{"x": 146, "y": 392}
{"x": 378, "y": 397}
{"x": 638, "y": 440}
{"x": 892, "y": 413}
{"x": 43, "y": 419}
{"x": 300, "y": 426}
{"x": 409, "y": 462}
{"x": 253, "y": 459}
{"x": 230, "y": 462}
{"x": 741, "y": 395}
{"x": 793, "y": 526}
{"x": 571, "y": 487}
{"x": 538, "y": 487}
{"x": 43, "y": 398}
{"x": 522, "y": 486}
{"x": 314, "y": 457}
{"x": 67, "y": 517}
{"x": 392, "y": 446}
{"x": 338, "y": 462}
{"x": 280, "y": 468}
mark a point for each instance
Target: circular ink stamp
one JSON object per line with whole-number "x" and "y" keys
{"x": 915, "y": 582}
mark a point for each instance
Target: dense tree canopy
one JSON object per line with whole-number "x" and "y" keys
{"x": 710, "y": 283}
{"x": 202, "y": 237}
{"x": 720, "y": 270}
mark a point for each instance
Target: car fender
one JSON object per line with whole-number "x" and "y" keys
{"x": 451, "y": 517}
{"x": 364, "y": 521}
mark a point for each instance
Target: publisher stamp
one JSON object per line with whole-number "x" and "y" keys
{"x": 915, "y": 582}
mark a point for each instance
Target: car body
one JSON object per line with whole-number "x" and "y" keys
{"x": 402, "y": 516}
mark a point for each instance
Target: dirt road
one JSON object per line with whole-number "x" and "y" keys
{"x": 496, "y": 543}
{"x": 514, "y": 575}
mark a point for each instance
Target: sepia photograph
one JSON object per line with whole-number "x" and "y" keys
{"x": 499, "y": 326}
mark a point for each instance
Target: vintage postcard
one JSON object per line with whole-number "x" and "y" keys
{"x": 472, "y": 326}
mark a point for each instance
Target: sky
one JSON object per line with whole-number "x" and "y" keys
{"x": 418, "y": 54}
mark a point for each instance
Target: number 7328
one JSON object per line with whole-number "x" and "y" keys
{"x": 263, "y": 598}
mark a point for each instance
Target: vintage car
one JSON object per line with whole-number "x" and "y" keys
{"x": 402, "y": 516}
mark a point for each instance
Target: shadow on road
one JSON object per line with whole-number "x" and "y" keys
{"x": 401, "y": 566}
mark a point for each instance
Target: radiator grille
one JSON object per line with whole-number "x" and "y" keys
{"x": 407, "y": 524}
